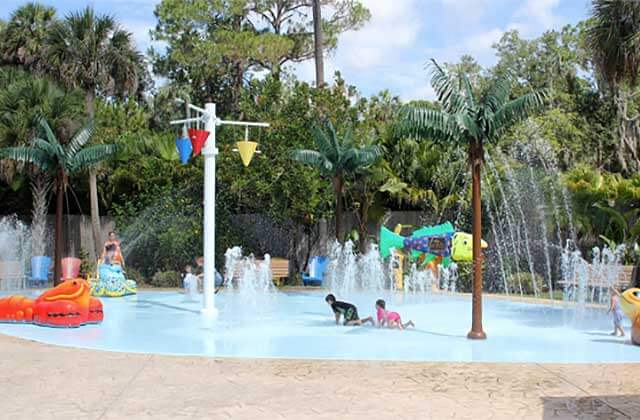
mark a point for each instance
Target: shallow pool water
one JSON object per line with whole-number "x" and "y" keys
{"x": 301, "y": 325}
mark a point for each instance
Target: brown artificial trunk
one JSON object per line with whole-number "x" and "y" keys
{"x": 337, "y": 190}
{"x": 475, "y": 155}
{"x": 318, "y": 42}
{"x": 57, "y": 258}
{"x": 362, "y": 231}
{"x": 93, "y": 189}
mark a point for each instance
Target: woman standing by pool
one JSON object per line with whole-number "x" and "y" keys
{"x": 117, "y": 254}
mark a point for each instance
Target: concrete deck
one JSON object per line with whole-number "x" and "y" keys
{"x": 40, "y": 381}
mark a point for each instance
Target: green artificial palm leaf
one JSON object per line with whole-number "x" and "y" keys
{"x": 51, "y": 138}
{"x": 91, "y": 156}
{"x": 517, "y": 110}
{"x": 79, "y": 140}
{"x": 427, "y": 123}
{"x": 313, "y": 158}
{"x": 36, "y": 157}
{"x": 446, "y": 88}
{"x": 359, "y": 158}
{"x": 498, "y": 92}
{"x": 44, "y": 145}
{"x": 325, "y": 143}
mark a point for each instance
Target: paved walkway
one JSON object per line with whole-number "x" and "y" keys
{"x": 40, "y": 381}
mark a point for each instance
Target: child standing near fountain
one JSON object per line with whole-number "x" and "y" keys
{"x": 190, "y": 282}
{"x": 392, "y": 319}
{"x": 617, "y": 313}
{"x": 346, "y": 310}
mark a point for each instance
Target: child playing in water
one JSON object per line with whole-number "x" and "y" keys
{"x": 346, "y": 310}
{"x": 392, "y": 319}
{"x": 617, "y": 313}
{"x": 189, "y": 280}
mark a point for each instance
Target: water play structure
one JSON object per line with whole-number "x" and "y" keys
{"x": 67, "y": 305}
{"x": 204, "y": 140}
{"x": 432, "y": 245}
{"x": 111, "y": 282}
{"x": 630, "y": 302}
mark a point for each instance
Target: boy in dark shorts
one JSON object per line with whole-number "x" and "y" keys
{"x": 346, "y": 310}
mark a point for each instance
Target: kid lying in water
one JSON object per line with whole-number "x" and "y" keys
{"x": 346, "y": 310}
{"x": 391, "y": 319}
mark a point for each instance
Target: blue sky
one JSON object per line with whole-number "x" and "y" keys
{"x": 391, "y": 50}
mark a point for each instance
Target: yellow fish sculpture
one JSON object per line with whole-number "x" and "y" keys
{"x": 630, "y": 303}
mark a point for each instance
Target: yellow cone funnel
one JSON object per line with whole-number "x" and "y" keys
{"x": 247, "y": 149}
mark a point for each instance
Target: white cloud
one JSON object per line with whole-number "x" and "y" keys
{"x": 535, "y": 16}
{"x": 467, "y": 11}
{"x": 370, "y": 56}
{"x": 140, "y": 31}
{"x": 392, "y": 49}
{"x": 480, "y": 45}
{"x": 393, "y": 25}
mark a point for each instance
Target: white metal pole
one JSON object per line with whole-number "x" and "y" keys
{"x": 209, "y": 152}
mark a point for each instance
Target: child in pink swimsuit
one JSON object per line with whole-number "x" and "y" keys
{"x": 392, "y": 319}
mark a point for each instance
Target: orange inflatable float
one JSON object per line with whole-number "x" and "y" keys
{"x": 67, "y": 305}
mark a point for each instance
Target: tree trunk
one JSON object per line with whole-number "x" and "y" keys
{"x": 337, "y": 190}
{"x": 57, "y": 269}
{"x": 40, "y": 187}
{"x": 364, "y": 219}
{"x": 318, "y": 43}
{"x": 93, "y": 189}
{"x": 95, "y": 212}
{"x": 476, "y": 167}
{"x": 628, "y": 134}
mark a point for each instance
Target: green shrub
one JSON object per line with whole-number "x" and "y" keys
{"x": 87, "y": 265}
{"x": 166, "y": 279}
{"x": 136, "y": 275}
{"x": 465, "y": 278}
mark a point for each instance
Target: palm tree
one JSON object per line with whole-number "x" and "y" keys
{"x": 22, "y": 40}
{"x": 59, "y": 161}
{"x": 335, "y": 158}
{"x": 613, "y": 36}
{"x": 471, "y": 120}
{"x": 91, "y": 52}
{"x": 23, "y": 99}
{"x": 318, "y": 42}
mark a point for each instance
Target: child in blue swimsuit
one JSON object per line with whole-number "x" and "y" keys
{"x": 617, "y": 313}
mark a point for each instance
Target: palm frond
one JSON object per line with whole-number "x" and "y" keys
{"x": 325, "y": 140}
{"x": 79, "y": 140}
{"x": 51, "y": 137}
{"x": 313, "y": 158}
{"x": 446, "y": 88}
{"x": 90, "y": 156}
{"x": 49, "y": 148}
{"x": 468, "y": 125}
{"x": 498, "y": 92}
{"x": 516, "y": 110}
{"x": 31, "y": 155}
{"x": 468, "y": 93}
{"x": 615, "y": 217}
{"x": 423, "y": 122}
{"x": 359, "y": 158}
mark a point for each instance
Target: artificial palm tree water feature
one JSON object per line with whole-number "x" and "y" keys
{"x": 59, "y": 161}
{"x": 470, "y": 119}
{"x": 337, "y": 156}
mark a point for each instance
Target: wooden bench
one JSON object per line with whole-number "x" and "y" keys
{"x": 625, "y": 274}
{"x": 11, "y": 275}
{"x": 279, "y": 270}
